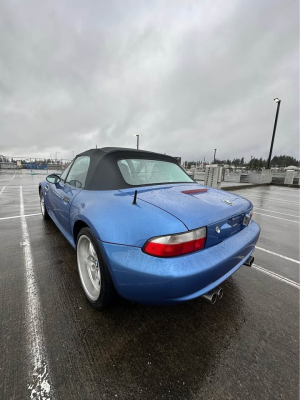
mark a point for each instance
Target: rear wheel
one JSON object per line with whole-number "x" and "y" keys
{"x": 44, "y": 211}
{"x": 94, "y": 275}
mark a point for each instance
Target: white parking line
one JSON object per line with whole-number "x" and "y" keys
{"x": 276, "y": 276}
{"x": 284, "y": 190}
{"x": 20, "y": 216}
{"x": 27, "y": 186}
{"x": 268, "y": 199}
{"x": 2, "y": 190}
{"x": 277, "y": 194}
{"x": 9, "y": 179}
{"x": 276, "y": 212}
{"x": 280, "y": 194}
{"x": 39, "y": 379}
{"x": 278, "y": 255}
{"x": 273, "y": 216}
{"x": 288, "y": 195}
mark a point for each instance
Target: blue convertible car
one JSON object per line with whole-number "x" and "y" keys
{"x": 143, "y": 228}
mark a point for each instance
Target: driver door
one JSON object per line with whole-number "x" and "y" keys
{"x": 70, "y": 185}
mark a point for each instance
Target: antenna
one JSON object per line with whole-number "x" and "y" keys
{"x": 134, "y": 198}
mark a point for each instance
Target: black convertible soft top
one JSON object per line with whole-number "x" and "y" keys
{"x": 104, "y": 173}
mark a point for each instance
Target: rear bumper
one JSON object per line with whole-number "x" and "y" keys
{"x": 151, "y": 280}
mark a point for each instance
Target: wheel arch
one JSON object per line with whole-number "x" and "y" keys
{"x": 80, "y": 223}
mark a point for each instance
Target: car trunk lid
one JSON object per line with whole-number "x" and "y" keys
{"x": 196, "y": 205}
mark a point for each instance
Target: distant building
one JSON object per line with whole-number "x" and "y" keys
{"x": 3, "y": 159}
{"x": 178, "y": 159}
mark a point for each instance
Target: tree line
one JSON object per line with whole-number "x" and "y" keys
{"x": 256, "y": 163}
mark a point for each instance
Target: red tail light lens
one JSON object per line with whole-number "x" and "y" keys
{"x": 251, "y": 214}
{"x": 176, "y": 245}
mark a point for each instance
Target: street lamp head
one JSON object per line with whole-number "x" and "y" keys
{"x": 277, "y": 100}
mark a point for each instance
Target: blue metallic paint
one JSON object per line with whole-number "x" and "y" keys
{"x": 140, "y": 277}
{"x": 115, "y": 219}
{"x": 122, "y": 229}
{"x": 62, "y": 208}
{"x": 196, "y": 210}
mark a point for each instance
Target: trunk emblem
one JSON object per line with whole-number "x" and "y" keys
{"x": 227, "y": 202}
{"x": 218, "y": 230}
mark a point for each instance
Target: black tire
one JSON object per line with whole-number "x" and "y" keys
{"x": 44, "y": 211}
{"x": 107, "y": 293}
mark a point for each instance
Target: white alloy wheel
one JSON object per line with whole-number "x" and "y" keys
{"x": 42, "y": 203}
{"x": 89, "y": 268}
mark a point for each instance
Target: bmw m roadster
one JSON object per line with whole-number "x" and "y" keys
{"x": 143, "y": 228}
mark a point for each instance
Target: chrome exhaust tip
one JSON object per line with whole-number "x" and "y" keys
{"x": 249, "y": 261}
{"x": 211, "y": 296}
{"x": 219, "y": 292}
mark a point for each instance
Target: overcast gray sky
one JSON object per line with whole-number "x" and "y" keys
{"x": 189, "y": 76}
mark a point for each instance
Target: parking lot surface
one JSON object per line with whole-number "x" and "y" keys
{"x": 55, "y": 346}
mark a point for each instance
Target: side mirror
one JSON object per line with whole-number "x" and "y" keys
{"x": 53, "y": 178}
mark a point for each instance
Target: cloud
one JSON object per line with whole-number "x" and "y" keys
{"x": 188, "y": 76}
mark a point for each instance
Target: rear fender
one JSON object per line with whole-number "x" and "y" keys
{"x": 114, "y": 219}
{"x": 81, "y": 217}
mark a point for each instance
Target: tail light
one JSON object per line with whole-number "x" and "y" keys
{"x": 251, "y": 213}
{"x": 176, "y": 245}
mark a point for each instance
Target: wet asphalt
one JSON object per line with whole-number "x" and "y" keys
{"x": 244, "y": 347}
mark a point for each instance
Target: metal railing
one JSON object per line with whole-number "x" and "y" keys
{"x": 35, "y": 165}
{"x": 246, "y": 176}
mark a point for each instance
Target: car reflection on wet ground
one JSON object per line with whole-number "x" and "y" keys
{"x": 246, "y": 346}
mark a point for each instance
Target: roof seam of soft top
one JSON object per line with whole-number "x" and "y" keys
{"x": 108, "y": 150}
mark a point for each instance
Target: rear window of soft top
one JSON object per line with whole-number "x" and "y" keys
{"x": 151, "y": 172}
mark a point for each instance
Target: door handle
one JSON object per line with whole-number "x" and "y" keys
{"x": 66, "y": 199}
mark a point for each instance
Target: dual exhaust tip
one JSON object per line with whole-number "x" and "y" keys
{"x": 249, "y": 261}
{"x": 217, "y": 293}
{"x": 213, "y": 295}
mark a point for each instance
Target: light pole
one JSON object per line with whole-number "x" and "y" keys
{"x": 137, "y": 141}
{"x": 250, "y": 164}
{"x": 278, "y": 101}
{"x": 215, "y": 155}
{"x": 57, "y": 152}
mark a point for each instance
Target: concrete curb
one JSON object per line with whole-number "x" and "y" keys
{"x": 243, "y": 186}
{"x": 258, "y": 185}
